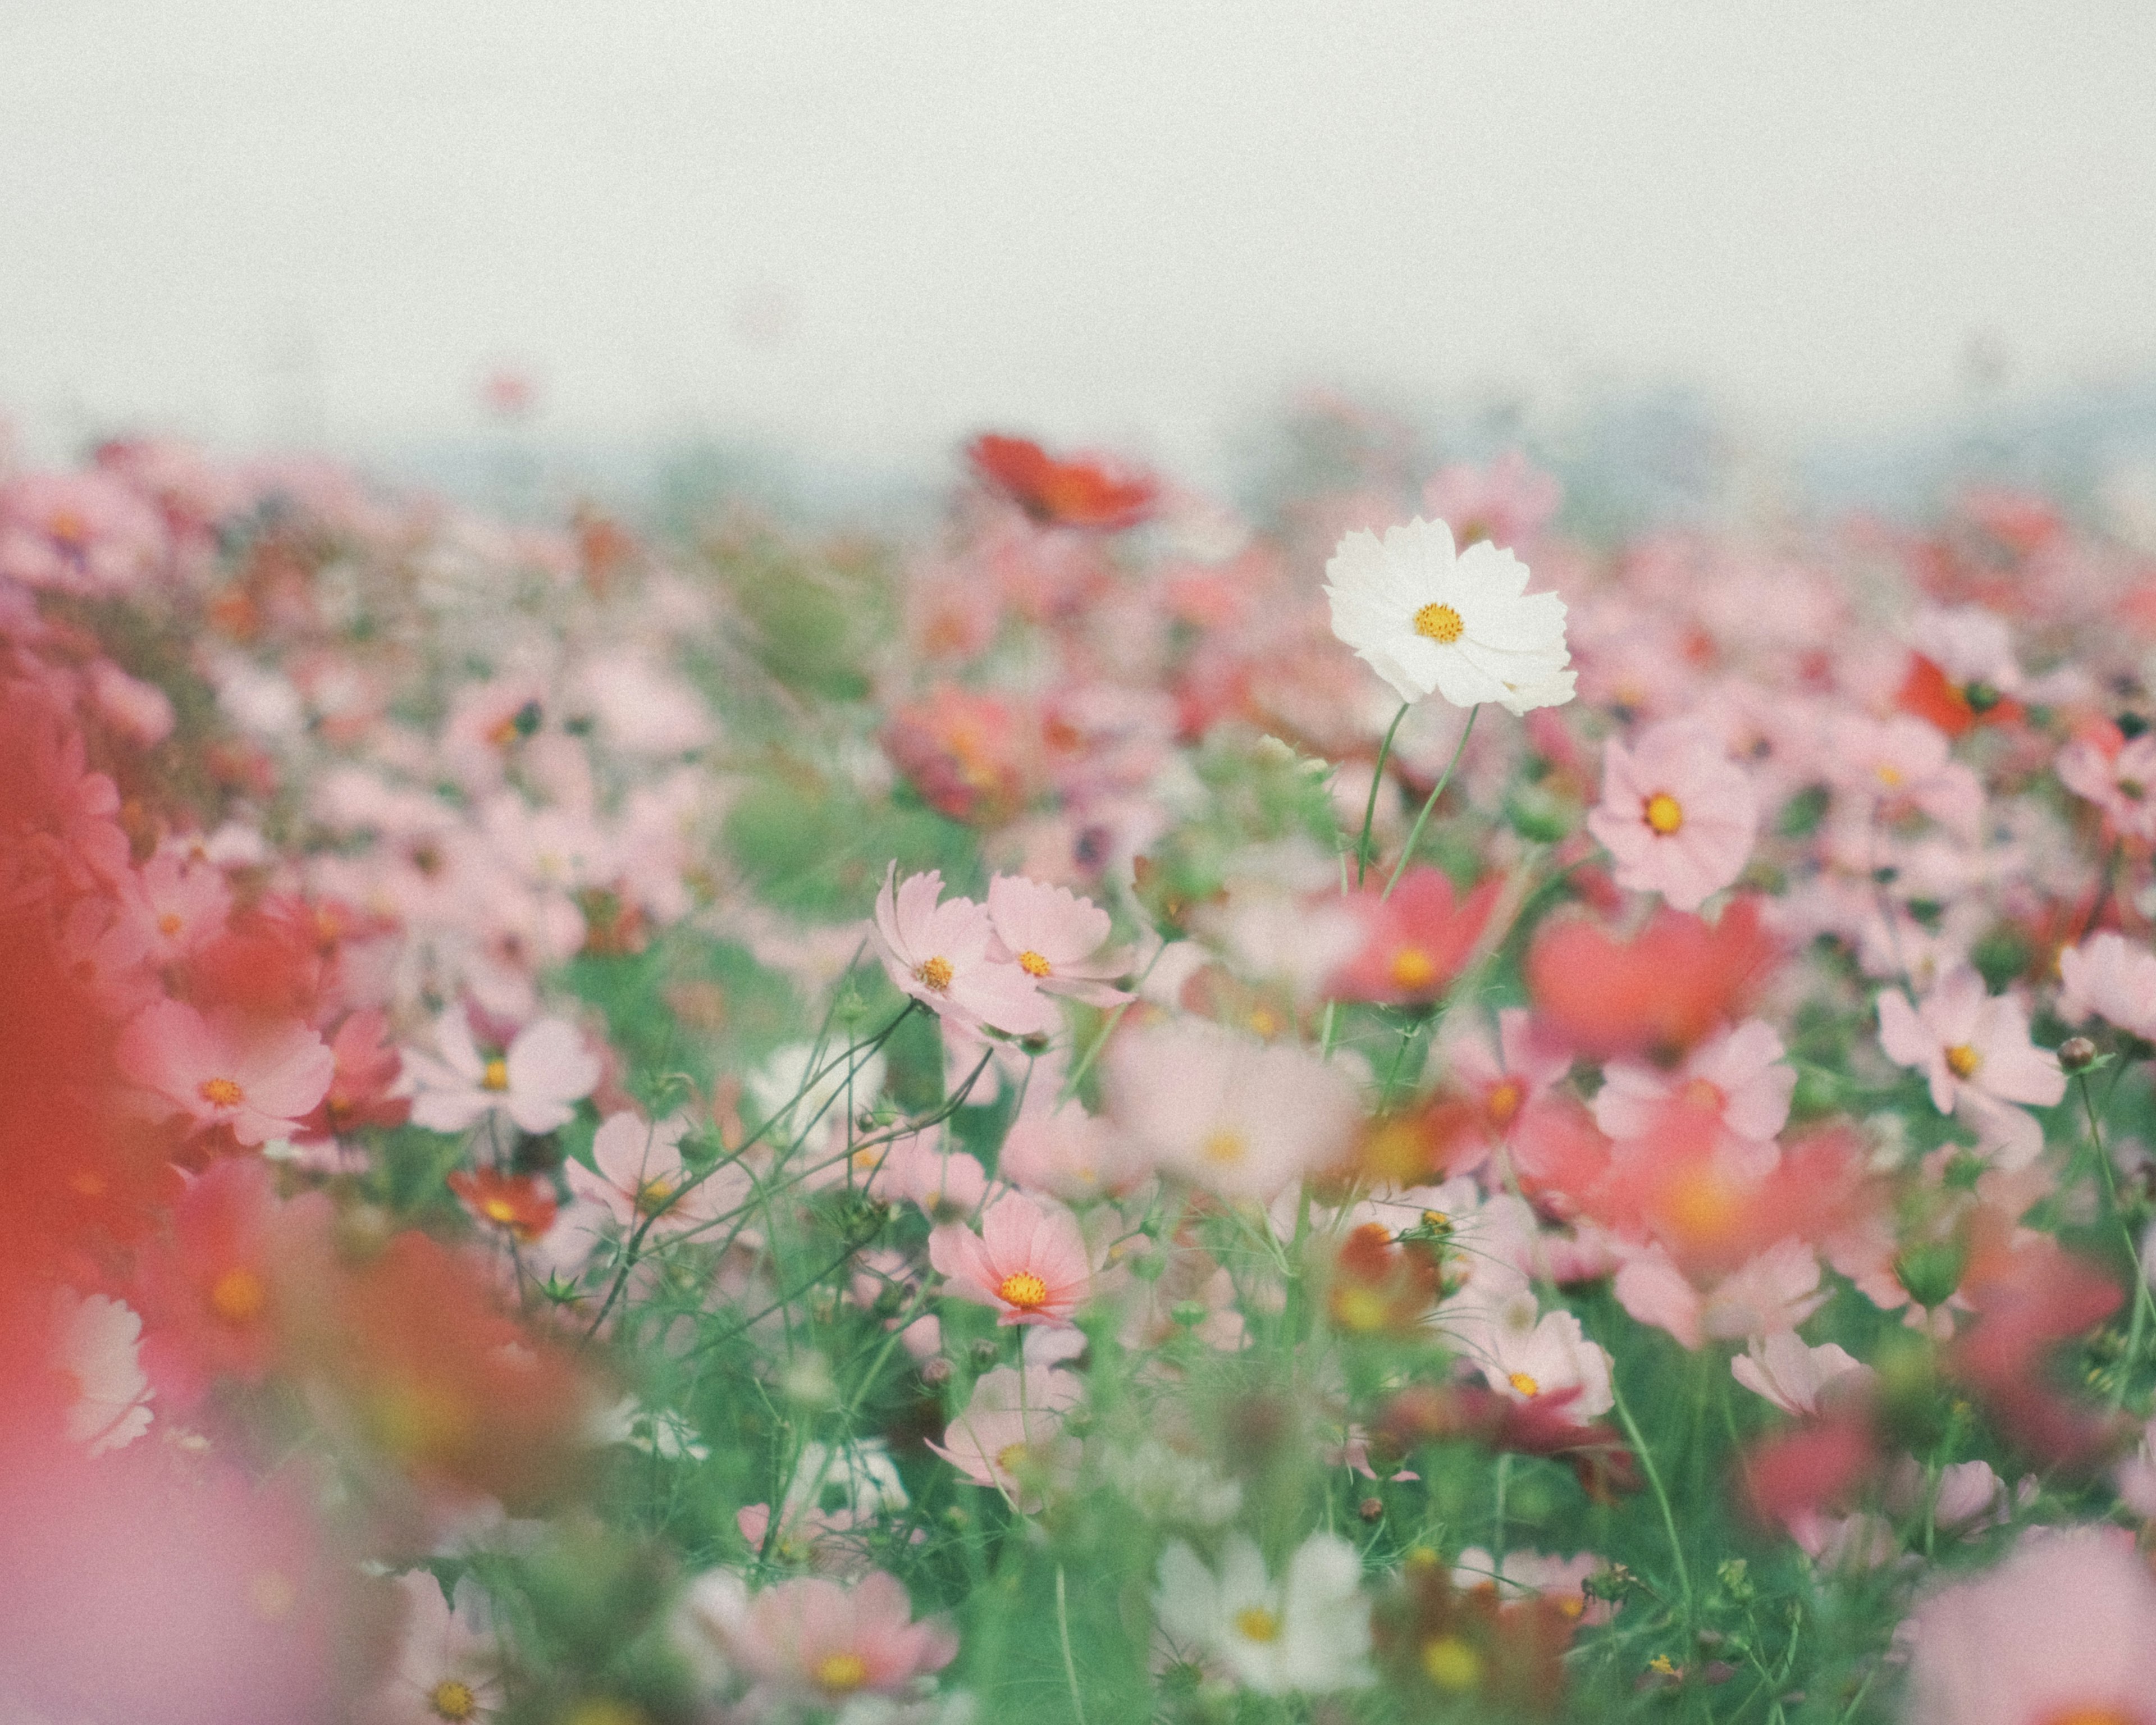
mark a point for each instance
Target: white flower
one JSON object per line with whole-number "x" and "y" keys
{"x": 1524, "y": 1354}
{"x": 1310, "y": 1632}
{"x": 1425, "y": 618}
{"x": 94, "y": 1344}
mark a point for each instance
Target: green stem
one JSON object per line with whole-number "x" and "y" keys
{"x": 1662, "y": 1496}
{"x": 1377, "y": 778}
{"x": 1437, "y": 790}
{"x": 1070, "y": 1664}
{"x": 2143, "y": 1295}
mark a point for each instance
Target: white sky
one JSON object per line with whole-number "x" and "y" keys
{"x": 861, "y": 228}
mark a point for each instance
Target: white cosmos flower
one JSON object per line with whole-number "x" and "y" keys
{"x": 1426, "y": 618}
{"x": 95, "y": 1344}
{"x": 1310, "y": 1631}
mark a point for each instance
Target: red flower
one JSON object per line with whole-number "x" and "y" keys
{"x": 516, "y": 1204}
{"x": 1081, "y": 492}
{"x": 1414, "y": 942}
{"x": 1658, "y": 992}
{"x": 367, "y": 1066}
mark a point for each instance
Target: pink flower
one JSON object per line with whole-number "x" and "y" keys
{"x": 1738, "y": 1076}
{"x": 1676, "y": 814}
{"x": 1902, "y": 762}
{"x": 1413, "y": 944}
{"x": 178, "y": 906}
{"x": 2110, "y": 978}
{"x": 1776, "y": 1290}
{"x": 1237, "y": 1118}
{"x": 77, "y": 532}
{"x": 1975, "y": 1051}
{"x": 641, "y": 1177}
{"x": 821, "y": 1642}
{"x": 1053, "y": 937}
{"x": 1499, "y": 1081}
{"x": 941, "y": 955}
{"x": 1792, "y": 1376}
{"x": 536, "y": 1080}
{"x": 1069, "y": 1154}
{"x": 447, "y": 1661}
{"x": 1011, "y": 1435}
{"x": 2062, "y": 1633}
{"x": 924, "y": 1170}
{"x": 2117, "y": 776}
{"x": 259, "y": 1079}
{"x": 95, "y": 1350}
{"x": 1028, "y": 1261}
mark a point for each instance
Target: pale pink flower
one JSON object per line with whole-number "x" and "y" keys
{"x": 1509, "y": 501}
{"x": 923, "y": 1169}
{"x": 1778, "y": 1290}
{"x": 1970, "y": 644}
{"x": 641, "y": 1179}
{"x": 77, "y": 532}
{"x": 1069, "y": 1154}
{"x": 1523, "y": 1354}
{"x": 1011, "y": 1435}
{"x": 1056, "y": 937}
{"x": 1676, "y": 814}
{"x": 1964, "y": 1498}
{"x": 1235, "y": 1117}
{"x": 1794, "y": 1375}
{"x": 94, "y": 1348}
{"x": 1499, "y": 1078}
{"x": 943, "y": 955}
{"x": 819, "y": 1641}
{"x": 1901, "y": 761}
{"x": 536, "y": 1080}
{"x": 177, "y": 904}
{"x": 1975, "y": 1050}
{"x": 2112, "y": 978}
{"x": 448, "y": 1664}
{"x": 1028, "y": 1261}
{"x": 2063, "y": 1633}
{"x": 1737, "y": 1075}
{"x": 259, "y": 1079}
{"x": 2121, "y": 781}
{"x": 1527, "y": 1574}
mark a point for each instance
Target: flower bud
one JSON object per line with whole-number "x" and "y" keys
{"x": 2077, "y": 1053}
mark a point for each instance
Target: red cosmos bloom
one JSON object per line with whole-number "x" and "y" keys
{"x": 1793, "y": 1476}
{"x": 258, "y": 1079}
{"x": 1415, "y": 942}
{"x": 1932, "y": 696}
{"x": 1084, "y": 491}
{"x": 240, "y": 1285}
{"x": 367, "y": 1067}
{"x": 1657, "y": 993}
{"x": 969, "y": 755}
{"x": 517, "y": 1204}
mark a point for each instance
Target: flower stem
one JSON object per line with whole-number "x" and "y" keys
{"x": 1662, "y": 1496}
{"x": 1437, "y": 790}
{"x": 2143, "y": 1297}
{"x": 1377, "y": 778}
{"x": 1070, "y": 1664}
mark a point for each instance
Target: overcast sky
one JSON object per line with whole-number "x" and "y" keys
{"x": 861, "y": 228}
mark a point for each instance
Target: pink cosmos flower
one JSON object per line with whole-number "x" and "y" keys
{"x": 1413, "y": 944}
{"x": 1676, "y": 813}
{"x": 819, "y": 1641}
{"x": 1069, "y": 1154}
{"x": 178, "y": 906}
{"x": 1028, "y": 1261}
{"x": 1778, "y": 1290}
{"x": 1524, "y": 1353}
{"x": 1056, "y": 937}
{"x": 1237, "y": 1118}
{"x": 641, "y": 1177}
{"x": 258, "y": 1079}
{"x": 1526, "y": 1573}
{"x": 2062, "y": 1633}
{"x": 1975, "y": 1051}
{"x": 923, "y": 1169}
{"x": 2110, "y": 978}
{"x": 77, "y": 532}
{"x": 1499, "y": 1079}
{"x": 536, "y": 1080}
{"x": 943, "y": 955}
{"x": 1011, "y": 1435}
{"x": 1794, "y": 1375}
{"x": 1903, "y": 762}
{"x": 2117, "y": 776}
{"x": 1737, "y": 1075}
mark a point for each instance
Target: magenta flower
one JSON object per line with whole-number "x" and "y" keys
{"x": 1056, "y": 937}
{"x": 536, "y": 1080}
{"x": 258, "y": 1079}
{"x": 943, "y": 956}
{"x": 1975, "y": 1052}
{"x": 1676, "y": 814}
{"x": 1028, "y": 1261}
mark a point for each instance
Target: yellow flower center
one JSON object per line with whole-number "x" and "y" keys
{"x": 936, "y": 974}
{"x": 1888, "y": 774}
{"x": 1502, "y": 1103}
{"x": 496, "y": 1075}
{"x": 1225, "y": 1146}
{"x": 1525, "y": 1384}
{"x": 652, "y": 1196}
{"x": 498, "y": 1210}
{"x": 452, "y": 1700}
{"x": 1033, "y": 964}
{"x": 1360, "y": 1309}
{"x": 1451, "y": 1664}
{"x": 1440, "y": 623}
{"x": 1023, "y": 1289}
{"x": 1664, "y": 813}
{"x": 169, "y": 925}
{"x": 1704, "y": 1093}
{"x": 1254, "y": 1622}
{"x": 841, "y": 1672}
{"x": 1012, "y": 1458}
{"x": 1963, "y": 1060}
{"x": 1413, "y": 968}
{"x": 2091, "y": 1716}
{"x": 222, "y": 1092}
{"x": 237, "y": 1296}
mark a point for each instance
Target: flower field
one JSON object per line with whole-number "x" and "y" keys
{"x": 1377, "y": 1107}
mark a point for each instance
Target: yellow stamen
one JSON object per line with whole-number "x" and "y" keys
{"x": 1033, "y": 964}
{"x": 1023, "y": 1289}
{"x": 496, "y": 1075}
{"x": 651, "y": 1197}
{"x": 1254, "y": 1622}
{"x": 1888, "y": 774}
{"x": 841, "y": 1672}
{"x": 1664, "y": 813}
{"x": 1502, "y": 1103}
{"x": 936, "y": 974}
{"x": 498, "y": 1210}
{"x": 1413, "y": 968}
{"x": 1359, "y": 1309}
{"x": 1225, "y": 1147}
{"x": 1440, "y": 623}
{"x": 221, "y": 1092}
{"x": 452, "y": 1700}
{"x": 1525, "y": 1384}
{"x": 237, "y": 1296}
{"x": 1963, "y": 1060}
{"x": 1704, "y": 1093}
{"x": 1451, "y": 1664}
{"x": 169, "y": 925}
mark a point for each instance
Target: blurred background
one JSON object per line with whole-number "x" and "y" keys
{"x": 510, "y": 249}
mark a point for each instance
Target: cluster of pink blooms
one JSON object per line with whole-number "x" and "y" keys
{"x": 444, "y": 1102}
